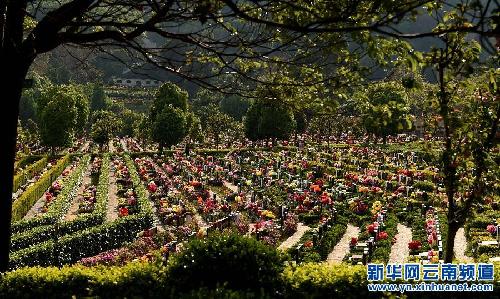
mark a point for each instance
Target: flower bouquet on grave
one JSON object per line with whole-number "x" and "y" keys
{"x": 432, "y": 256}
{"x": 372, "y": 227}
{"x": 49, "y": 197}
{"x": 376, "y": 207}
{"x": 414, "y": 246}
{"x": 85, "y": 207}
{"x": 267, "y": 214}
{"x": 123, "y": 212}
{"x": 492, "y": 229}
{"x": 353, "y": 242}
{"x": 382, "y": 235}
{"x": 56, "y": 187}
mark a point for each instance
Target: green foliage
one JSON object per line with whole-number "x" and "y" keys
{"x": 383, "y": 249}
{"x": 239, "y": 263}
{"x": 313, "y": 280}
{"x": 130, "y": 122}
{"x": 99, "y": 99}
{"x": 385, "y": 110}
{"x": 216, "y": 123}
{"x": 234, "y": 106}
{"x": 152, "y": 280}
{"x": 331, "y": 237}
{"x": 269, "y": 119}
{"x": 425, "y": 186}
{"x": 132, "y": 280}
{"x": 63, "y": 113}
{"x": 105, "y": 126}
{"x": 169, "y": 127}
{"x": 61, "y": 204}
{"x": 43, "y": 230}
{"x": 168, "y": 94}
{"x": 195, "y": 129}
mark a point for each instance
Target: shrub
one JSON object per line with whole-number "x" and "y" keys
{"x": 152, "y": 280}
{"x": 237, "y": 262}
{"x": 425, "y": 186}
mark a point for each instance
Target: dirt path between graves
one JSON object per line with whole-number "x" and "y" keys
{"x": 342, "y": 248}
{"x": 295, "y": 238}
{"x": 72, "y": 213}
{"x": 460, "y": 246}
{"x": 400, "y": 250}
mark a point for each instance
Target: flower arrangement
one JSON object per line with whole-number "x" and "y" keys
{"x": 371, "y": 227}
{"x": 492, "y": 229}
{"x": 414, "y": 245}
{"x": 382, "y": 236}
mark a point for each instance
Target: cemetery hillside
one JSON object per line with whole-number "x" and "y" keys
{"x": 250, "y": 149}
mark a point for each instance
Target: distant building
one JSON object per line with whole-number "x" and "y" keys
{"x": 132, "y": 79}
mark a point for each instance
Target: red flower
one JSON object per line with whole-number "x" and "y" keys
{"x": 308, "y": 244}
{"x": 354, "y": 241}
{"x": 152, "y": 187}
{"x": 123, "y": 211}
{"x": 371, "y": 227}
{"x": 415, "y": 245}
{"x": 383, "y": 235}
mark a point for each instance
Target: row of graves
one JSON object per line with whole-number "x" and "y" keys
{"x": 183, "y": 202}
{"x": 268, "y": 189}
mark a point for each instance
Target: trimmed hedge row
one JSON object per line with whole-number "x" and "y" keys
{"x": 29, "y": 197}
{"x": 151, "y": 280}
{"x": 90, "y": 241}
{"x": 24, "y": 175}
{"x": 61, "y": 204}
{"x": 331, "y": 238}
{"x": 25, "y": 160}
{"x": 97, "y": 217}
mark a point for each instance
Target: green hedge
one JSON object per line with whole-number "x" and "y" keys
{"x": 90, "y": 241}
{"x": 151, "y": 280}
{"x": 29, "y": 197}
{"x": 29, "y": 172}
{"x": 22, "y": 162}
{"x": 331, "y": 238}
{"x": 46, "y": 232}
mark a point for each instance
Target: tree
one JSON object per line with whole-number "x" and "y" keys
{"x": 215, "y": 122}
{"x": 105, "y": 125}
{"x": 269, "y": 119}
{"x": 470, "y": 112}
{"x": 385, "y": 111}
{"x": 123, "y": 24}
{"x": 99, "y": 100}
{"x": 169, "y": 127}
{"x": 195, "y": 129}
{"x": 234, "y": 106}
{"x": 58, "y": 120}
{"x": 168, "y": 94}
{"x": 130, "y": 121}
{"x": 83, "y": 111}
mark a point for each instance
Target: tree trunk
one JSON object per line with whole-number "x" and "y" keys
{"x": 15, "y": 70}
{"x": 453, "y": 227}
